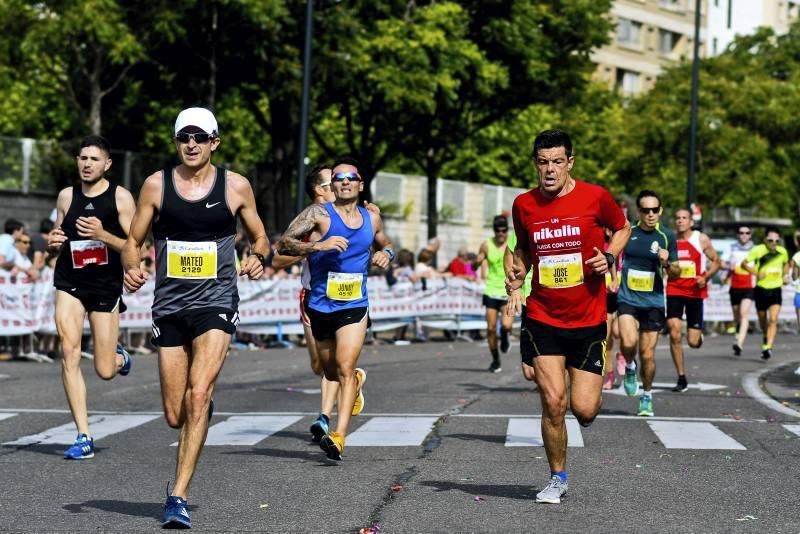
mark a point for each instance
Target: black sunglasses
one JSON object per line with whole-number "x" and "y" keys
{"x": 650, "y": 210}
{"x": 772, "y": 240}
{"x": 342, "y": 176}
{"x": 745, "y": 232}
{"x": 200, "y": 138}
{"x": 501, "y": 230}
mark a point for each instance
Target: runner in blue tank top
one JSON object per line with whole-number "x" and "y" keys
{"x": 339, "y": 307}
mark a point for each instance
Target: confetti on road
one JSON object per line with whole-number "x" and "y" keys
{"x": 396, "y": 488}
{"x": 478, "y": 498}
{"x": 747, "y": 518}
{"x": 265, "y": 505}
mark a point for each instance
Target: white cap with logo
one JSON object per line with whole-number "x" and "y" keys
{"x": 199, "y": 117}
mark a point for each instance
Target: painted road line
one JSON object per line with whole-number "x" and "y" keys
{"x": 6, "y": 416}
{"x": 794, "y": 429}
{"x": 100, "y": 426}
{"x": 750, "y": 384}
{"x": 247, "y": 430}
{"x": 392, "y": 432}
{"x": 682, "y": 435}
{"x": 527, "y": 432}
{"x": 700, "y": 386}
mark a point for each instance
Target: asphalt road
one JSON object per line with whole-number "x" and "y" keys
{"x": 468, "y": 462}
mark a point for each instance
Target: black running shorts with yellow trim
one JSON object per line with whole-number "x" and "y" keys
{"x": 584, "y": 348}
{"x": 324, "y": 325}
{"x": 181, "y": 328}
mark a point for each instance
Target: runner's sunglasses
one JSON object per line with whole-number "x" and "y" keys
{"x": 650, "y": 210}
{"x": 342, "y": 176}
{"x": 200, "y": 138}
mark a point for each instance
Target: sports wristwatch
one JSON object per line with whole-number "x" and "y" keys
{"x": 609, "y": 258}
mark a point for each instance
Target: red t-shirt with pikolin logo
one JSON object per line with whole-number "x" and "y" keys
{"x": 559, "y": 235}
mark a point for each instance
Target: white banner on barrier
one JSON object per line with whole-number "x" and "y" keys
{"x": 27, "y": 307}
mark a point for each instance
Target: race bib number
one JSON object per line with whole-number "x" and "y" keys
{"x": 191, "y": 260}
{"x": 641, "y": 280}
{"x": 344, "y": 286}
{"x": 561, "y": 271}
{"x": 88, "y": 252}
{"x": 688, "y": 269}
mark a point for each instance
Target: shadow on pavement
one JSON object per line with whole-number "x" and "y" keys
{"x": 523, "y": 493}
{"x": 499, "y": 389}
{"x": 135, "y": 509}
{"x": 313, "y": 455}
{"x": 476, "y": 437}
{"x": 50, "y": 449}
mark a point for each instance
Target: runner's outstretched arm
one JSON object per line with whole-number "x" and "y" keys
{"x": 292, "y": 244}
{"x": 149, "y": 197}
{"x": 244, "y": 203}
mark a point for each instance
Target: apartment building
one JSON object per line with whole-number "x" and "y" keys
{"x": 650, "y": 34}
{"x": 728, "y": 18}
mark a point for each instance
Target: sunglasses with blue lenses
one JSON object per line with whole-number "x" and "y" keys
{"x": 342, "y": 176}
{"x": 200, "y": 138}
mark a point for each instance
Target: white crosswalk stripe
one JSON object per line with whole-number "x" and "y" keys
{"x": 247, "y": 429}
{"x": 406, "y": 430}
{"x": 686, "y": 435}
{"x": 794, "y": 429}
{"x": 527, "y": 432}
{"x": 391, "y": 432}
{"x": 99, "y": 425}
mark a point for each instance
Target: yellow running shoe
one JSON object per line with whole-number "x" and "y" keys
{"x": 361, "y": 377}
{"x": 333, "y": 445}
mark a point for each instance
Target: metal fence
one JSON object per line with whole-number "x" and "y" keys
{"x": 35, "y": 166}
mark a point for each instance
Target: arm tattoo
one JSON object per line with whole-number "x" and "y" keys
{"x": 292, "y": 244}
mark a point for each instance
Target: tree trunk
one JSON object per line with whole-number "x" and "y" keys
{"x": 213, "y": 67}
{"x": 432, "y": 169}
{"x": 96, "y": 96}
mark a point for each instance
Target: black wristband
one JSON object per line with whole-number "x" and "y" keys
{"x": 261, "y": 258}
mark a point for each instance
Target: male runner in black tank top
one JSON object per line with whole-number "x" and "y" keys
{"x": 91, "y": 226}
{"x": 193, "y": 210}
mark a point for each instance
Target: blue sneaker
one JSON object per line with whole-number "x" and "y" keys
{"x": 82, "y": 449}
{"x": 175, "y": 513}
{"x": 126, "y": 360}
{"x": 319, "y": 428}
{"x": 646, "y": 406}
{"x": 631, "y": 382}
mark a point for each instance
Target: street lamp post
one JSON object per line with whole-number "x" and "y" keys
{"x": 690, "y": 181}
{"x": 302, "y": 144}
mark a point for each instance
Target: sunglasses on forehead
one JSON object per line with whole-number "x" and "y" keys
{"x": 200, "y": 138}
{"x": 342, "y": 176}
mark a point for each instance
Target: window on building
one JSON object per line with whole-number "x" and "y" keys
{"x": 793, "y": 9}
{"x": 667, "y": 41}
{"x": 672, "y": 5}
{"x": 628, "y": 82}
{"x": 629, "y": 32}
{"x": 714, "y": 43}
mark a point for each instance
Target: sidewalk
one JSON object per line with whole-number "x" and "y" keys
{"x": 783, "y": 385}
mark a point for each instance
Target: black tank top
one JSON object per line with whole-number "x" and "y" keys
{"x": 89, "y": 265}
{"x": 195, "y": 252}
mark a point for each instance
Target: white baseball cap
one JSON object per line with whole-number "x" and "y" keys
{"x": 200, "y": 117}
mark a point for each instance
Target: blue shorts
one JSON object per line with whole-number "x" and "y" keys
{"x": 797, "y": 300}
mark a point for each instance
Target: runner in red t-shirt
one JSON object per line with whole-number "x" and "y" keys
{"x": 560, "y": 234}
{"x": 687, "y": 292}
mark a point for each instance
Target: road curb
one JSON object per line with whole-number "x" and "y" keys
{"x": 751, "y": 383}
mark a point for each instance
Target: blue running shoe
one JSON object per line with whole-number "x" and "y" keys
{"x": 82, "y": 449}
{"x": 646, "y": 406}
{"x": 319, "y": 428}
{"x": 175, "y": 513}
{"x": 631, "y": 382}
{"x": 126, "y": 360}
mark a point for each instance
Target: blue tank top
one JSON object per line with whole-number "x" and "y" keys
{"x": 339, "y": 279}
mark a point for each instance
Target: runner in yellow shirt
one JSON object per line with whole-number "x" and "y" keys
{"x": 769, "y": 262}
